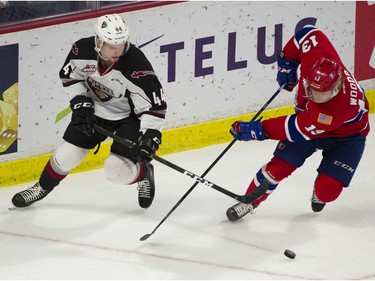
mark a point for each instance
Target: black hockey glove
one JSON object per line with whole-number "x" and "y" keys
{"x": 83, "y": 117}
{"x": 148, "y": 143}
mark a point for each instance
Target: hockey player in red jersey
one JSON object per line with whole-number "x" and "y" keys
{"x": 110, "y": 83}
{"x": 331, "y": 114}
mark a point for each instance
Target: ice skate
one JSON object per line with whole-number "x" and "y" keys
{"x": 29, "y": 196}
{"x": 239, "y": 210}
{"x": 316, "y": 204}
{"x": 146, "y": 188}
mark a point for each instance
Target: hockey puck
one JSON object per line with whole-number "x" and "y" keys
{"x": 290, "y": 254}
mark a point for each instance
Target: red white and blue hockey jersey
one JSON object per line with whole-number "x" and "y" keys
{"x": 345, "y": 114}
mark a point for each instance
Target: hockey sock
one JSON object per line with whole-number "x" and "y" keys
{"x": 274, "y": 171}
{"x": 142, "y": 174}
{"x": 258, "y": 179}
{"x": 327, "y": 189}
{"x": 145, "y": 171}
{"x": 49, "y": 177}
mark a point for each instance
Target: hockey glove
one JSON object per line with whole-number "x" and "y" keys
{"x": 287, "y": 72}
{"x": 83, "y": 117}
{"x": 148, "y": 144}
{"x": 246, "y": 131}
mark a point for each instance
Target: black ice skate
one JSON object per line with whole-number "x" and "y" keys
{"x": 316, "y": 204}
{"x": 29, "y": 196}
{"x": 146, "y": 188}
{"x": 239, "y": 210}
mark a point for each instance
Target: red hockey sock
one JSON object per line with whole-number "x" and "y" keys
{"x": 260, "y": 199}
{"x": 279, "y": 169}
{"x": 275, "y": 171}
{"x": 327, "y": 189}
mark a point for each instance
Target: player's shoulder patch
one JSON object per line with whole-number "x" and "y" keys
{"x": 325, "y": 119}
{"x": 84, "y": 47}
{"x": 141, "y": 73}
{"x": 75, "y": 49}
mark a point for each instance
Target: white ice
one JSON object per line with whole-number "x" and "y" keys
{"x": 88, "y": 228}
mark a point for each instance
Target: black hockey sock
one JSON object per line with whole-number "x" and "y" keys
{"x": 49, "y": 178}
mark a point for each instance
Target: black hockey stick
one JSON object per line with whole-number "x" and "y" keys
{"x": 254, "y": 194}
{"x": 248, "y": 198}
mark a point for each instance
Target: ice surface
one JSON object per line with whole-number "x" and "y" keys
{"x": 88, "y": 228}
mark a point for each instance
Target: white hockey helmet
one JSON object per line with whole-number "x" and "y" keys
{"x": 111, "y": 29}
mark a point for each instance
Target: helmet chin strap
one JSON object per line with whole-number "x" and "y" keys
{"x": 98, "y": 48}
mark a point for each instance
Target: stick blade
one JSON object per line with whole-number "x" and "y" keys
{"x": 145, "y": 237}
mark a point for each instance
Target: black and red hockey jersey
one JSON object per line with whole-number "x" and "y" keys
{"x": 129, "y": 87}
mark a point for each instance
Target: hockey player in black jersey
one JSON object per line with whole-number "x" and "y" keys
{"x": 111, "y": 83}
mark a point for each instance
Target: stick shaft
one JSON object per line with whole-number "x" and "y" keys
{"x": 247, "y": 198}
{"x": 198, "y": 179}
{"x": 234, "y": 140}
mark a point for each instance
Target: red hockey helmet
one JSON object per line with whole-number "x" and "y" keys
{"x": 324, "y": 80}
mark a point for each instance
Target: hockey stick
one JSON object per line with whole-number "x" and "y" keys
{"x": 255, "y": 193}
{"x": 247, "y": 198}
